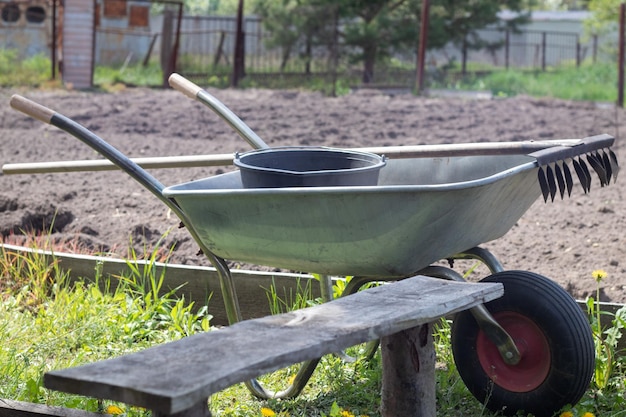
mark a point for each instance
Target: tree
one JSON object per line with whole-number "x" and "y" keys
{"x": 604, "y": 17}
{"x": 371, "y": 31}
{"x": 458, "y": 22}
{"x": 297, "y": 26}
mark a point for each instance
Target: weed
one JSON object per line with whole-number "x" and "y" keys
{"x": 65, "y": 324}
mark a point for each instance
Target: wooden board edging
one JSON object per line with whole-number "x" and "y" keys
{"x": 201, "y": 283}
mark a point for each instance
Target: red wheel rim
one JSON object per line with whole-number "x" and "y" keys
{"x": 534, "y": 349}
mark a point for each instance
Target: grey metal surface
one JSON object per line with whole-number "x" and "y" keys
{"x": 422, "y": 210}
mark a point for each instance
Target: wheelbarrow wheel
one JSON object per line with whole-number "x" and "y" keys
{"x": 554, "y": 339}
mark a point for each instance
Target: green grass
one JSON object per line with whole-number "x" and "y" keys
{"x": 590, "y": 82}
{"x": 137, "y": 75}
{"x": 47, "y": 322}
{"x": 32, "y": 72}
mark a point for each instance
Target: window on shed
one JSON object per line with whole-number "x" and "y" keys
{"x": 139, "y": 16}
{"x": 11, "y": 13}
{"x": 114, "y": 8}
{"x": 35, "y": 14}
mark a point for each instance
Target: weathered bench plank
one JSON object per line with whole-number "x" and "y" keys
{"x": 10, "y": 408}
{"x": 175, "y": 376}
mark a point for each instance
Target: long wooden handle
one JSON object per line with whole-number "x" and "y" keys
{"x": 392, "y": 152}
{"x": 188, "y": 88}
{"x": 34, "y": 110}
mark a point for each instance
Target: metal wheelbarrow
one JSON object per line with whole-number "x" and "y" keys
{"x": 530, "y": 350}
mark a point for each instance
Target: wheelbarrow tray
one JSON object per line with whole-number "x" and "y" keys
{"x": 421, "y": 211}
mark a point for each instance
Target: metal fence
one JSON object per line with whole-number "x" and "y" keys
{"x": 128, "y": 34}
{"x": 531, "y": 49}
{"x": 207, "y": 45}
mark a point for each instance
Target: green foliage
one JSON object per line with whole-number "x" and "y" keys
{"x": 604, "y": 16}
{"x": 592, "y": 82}
{"x": 138, "y": 75}
{"x": 605, "y": 396}
{"x": 282, "y": 303}
{"x": 14, "y": 71}
{"x": 46, "y": 323}
{"x": 368, "y": 32}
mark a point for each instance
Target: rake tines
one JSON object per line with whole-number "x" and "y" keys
{"x": 556, "y": 175}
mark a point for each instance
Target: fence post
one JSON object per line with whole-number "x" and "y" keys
{"x": 421, "y": 53}
{"x": 620, "y": 60}
{"x": 464, "y": 57}
{"x": 53, "y": 50}
{"x": 166, "y": 44}
{"x": 507, "y": 44}
{"x": 239, "y": 61}
{"x": 577, "y": 51}
{"x": 543, "y": 51}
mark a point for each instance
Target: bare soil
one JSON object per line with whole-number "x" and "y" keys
{"x": 107, "y": 211}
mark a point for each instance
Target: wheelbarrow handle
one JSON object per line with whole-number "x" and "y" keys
{"x": 185, "y": 86}
{"x": 49, "y": 116}
{"x": 46, "y": 115}
{"x": 32, "y": 109}
{"x": 188, "y": 88}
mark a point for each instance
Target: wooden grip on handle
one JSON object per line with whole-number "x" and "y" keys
{"x": 183, "y": 85}
{"x": 32, "y": 109}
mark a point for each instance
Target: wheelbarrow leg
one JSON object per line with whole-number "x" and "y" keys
{"x": 494, "y": 332}
{"x": 233, "y": 313}
{"x": 229, "y": 294}
{"x": 484, "y": 256}
{"x": 296, "y": 387}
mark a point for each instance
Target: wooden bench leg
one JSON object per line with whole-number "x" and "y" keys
{"x": 201, "y": 409}
{"x": 408, "y": 386}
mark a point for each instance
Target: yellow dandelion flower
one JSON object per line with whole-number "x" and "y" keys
{"x": 599, "y": 274}
{"x": 114, "y": 410}
{"x": 346, "y": 413}
{"x": 566, "y": 414}
{"x": 267, "y": 412}
{"x": 588, "y": 414}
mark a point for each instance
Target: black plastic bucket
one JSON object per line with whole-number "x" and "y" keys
{"x": 308, "y": 167}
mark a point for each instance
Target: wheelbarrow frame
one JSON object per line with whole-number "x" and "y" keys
{"x": 546, "y": 166}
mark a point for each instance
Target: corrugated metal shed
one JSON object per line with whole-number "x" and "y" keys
{"x": 78, "y": 42}
{"x": 25, "y": 26}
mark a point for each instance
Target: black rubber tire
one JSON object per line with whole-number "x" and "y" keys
{"x": 566, "y": 357}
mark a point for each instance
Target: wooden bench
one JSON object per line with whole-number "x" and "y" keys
{"x": 177, "y": 378}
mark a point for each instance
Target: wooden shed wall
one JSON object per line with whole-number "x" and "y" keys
{"x": 78, "y": 42}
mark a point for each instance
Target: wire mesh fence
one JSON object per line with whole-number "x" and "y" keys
{"x": 129, "y": 34}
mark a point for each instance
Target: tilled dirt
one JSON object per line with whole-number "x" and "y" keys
{"x": 109, "y": 212}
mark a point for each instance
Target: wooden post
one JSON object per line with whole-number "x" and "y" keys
{"x": 578, "y": 57}
{"x": 239, "y": 60}
{"x": 620, "y": 60}
{"x": 421, "y": 53}
{"x": 78, "y": 41}
{"x": 201, "y": 409}
{"x": 507, "y": 48}
{"x": 166, "y": 44}
{"x": 408, "y": 387}
{"x": 543, "y": 51}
